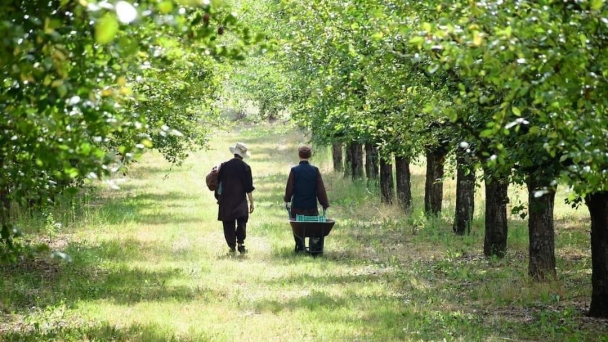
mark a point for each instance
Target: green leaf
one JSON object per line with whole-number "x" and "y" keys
{"x": 165, "y": 7}
{"x": 486, "y": 133}
{"x": 417, "y": 40}
{"x": 147, "y": 143}
{"x": 106, "y": 29}
{"x": 62, "y": 89}
{"x": 72, "y": 172}
{"x": 596, "y": 5}
{"x": 534, "y": 130}
{"x": 516, "y": 111}
{"x": 85, "y": 148}
{"x": 377, "y": 36}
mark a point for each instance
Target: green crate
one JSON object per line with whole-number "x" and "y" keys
{"x": 304, "y": 218}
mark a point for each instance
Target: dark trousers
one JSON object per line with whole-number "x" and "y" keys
{"x": 234, "y": 235}
{"x": 299, "y": 243}
{"x": 315, "y": 244}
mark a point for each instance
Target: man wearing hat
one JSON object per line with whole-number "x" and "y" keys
{"x": 235, "y": 187}
{"x": 304, "y": 187}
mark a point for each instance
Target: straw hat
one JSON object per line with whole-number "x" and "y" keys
{"x": 241, "y": 150}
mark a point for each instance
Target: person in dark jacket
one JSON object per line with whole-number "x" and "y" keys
{"x": 235, "y": 187}
{"x": 304, "y": 187}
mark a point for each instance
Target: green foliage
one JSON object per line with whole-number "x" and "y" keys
{"x": 537, "y": 72}
{"x": 353, "y": 76}
{"x": 518, "y": 84}
{"x": 87, "y": 86}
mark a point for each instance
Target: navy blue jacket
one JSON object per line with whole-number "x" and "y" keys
{"x": 305, "y": 186}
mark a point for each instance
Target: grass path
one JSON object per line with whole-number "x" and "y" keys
{"x": 150, "y": 264}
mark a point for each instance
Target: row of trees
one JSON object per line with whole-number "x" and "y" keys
{"x": 87, "y": 86}
{"x": 514, "y": 89}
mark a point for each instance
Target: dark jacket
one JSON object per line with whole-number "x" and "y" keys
{"x": 304, "y": 187}
{"x": 236, "y": 181}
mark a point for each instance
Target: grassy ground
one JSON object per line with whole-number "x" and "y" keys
{"x": 149, "y": 263}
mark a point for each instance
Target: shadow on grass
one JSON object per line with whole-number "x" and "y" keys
{"x": 100, "y": 332}
{"x": 270, "y": 189}
{"x": 379, "y": 318}
{"x": 312, "y": 301}
{"x": 286, "y": 256}
{"x": 146, "y": 208}
{"x": 43, "y": 282}
{"x": 446, "y": 296}
{"x": 320, "y": 281}
{"x": 156, "y": 171}
{"x": 127, "y": 250}
{"x": 439, "y": 300}
{"x": 425, "y": 309}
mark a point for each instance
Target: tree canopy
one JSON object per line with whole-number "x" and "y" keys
{"x": 87, "y": 86}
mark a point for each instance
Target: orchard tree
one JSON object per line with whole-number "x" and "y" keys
{"x": 539, "y": 71}
{"x": 77, "y": 92}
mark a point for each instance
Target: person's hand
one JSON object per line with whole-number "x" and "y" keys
{"x": 250, "y": 207}
{"x": 288, "y": 205}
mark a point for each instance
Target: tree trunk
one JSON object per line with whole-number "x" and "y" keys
{"x": 598, "y": 209}
{"x": 5, "y": 227}
{"x": 336, "y": 153}
{"x": 541, "y": 231}
{"x": 356, "y": 163}
{"x": 386, "y": 181}
{"x": 5, "y": 201}
{"x": 348, "y": 157}
{"x": 433, "y": 187}
{"x": 465, "y": 196}
{"x": 404, "y": 185}
{"x": 371, "y": 162}
{"x": 495, "y": 241}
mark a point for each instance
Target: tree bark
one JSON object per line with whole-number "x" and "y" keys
{"x": 356, "y": 163}
{"x": 5, "y": 227}
{"x": 541, "y": 231}
{"x": 597, "y": 203}
{"x": 465, "y": 196}
{"x": 336, "y": 153}
{"x": 386, "y": 181}
{"x": 348, "y": 157}
{"x": 371, "y": 162}
{"x": 496, "y": 228}
{"x": 433, "y": 187}
{"x": 404, "y": 185}
{"x": 5, "y": 201}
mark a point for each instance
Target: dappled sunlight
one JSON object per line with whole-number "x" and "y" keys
{"x": 150, "y": 259}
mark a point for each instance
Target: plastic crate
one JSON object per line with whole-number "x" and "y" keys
{"x": 304, "y": 218}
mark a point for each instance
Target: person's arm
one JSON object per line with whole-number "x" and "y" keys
{"x": 321, "y": 193}
{"x": 250, "y": 198}
{"x": 289, "y": 188}
{"x": 249, "y": 187}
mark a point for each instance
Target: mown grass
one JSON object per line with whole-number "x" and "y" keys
{"x": 149, "y": 263}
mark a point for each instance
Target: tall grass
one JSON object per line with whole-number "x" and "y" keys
{"x": 149, "y": 263}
